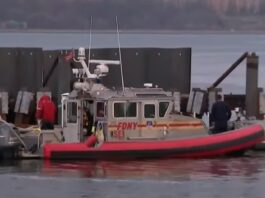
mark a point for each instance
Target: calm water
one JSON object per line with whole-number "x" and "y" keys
{"x": 201, "y": 178}
{"x": 212, "y": 54}
{"x": 207, "y": 178}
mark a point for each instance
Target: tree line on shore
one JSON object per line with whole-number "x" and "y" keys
{"x": 136, "y": 14}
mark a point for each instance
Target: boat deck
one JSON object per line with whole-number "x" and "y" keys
{"x": 27, "y": 155}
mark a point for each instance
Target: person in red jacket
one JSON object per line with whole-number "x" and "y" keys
{"x": 46, "y": 112}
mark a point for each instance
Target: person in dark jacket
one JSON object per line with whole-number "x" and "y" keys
{"x": 220, "y": 114}
{"x": 88, "y": 121}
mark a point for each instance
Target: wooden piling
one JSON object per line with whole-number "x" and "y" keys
{"x": 252, "y": 92}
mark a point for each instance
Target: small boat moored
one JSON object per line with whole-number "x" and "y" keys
{"x": 131, "y": 123}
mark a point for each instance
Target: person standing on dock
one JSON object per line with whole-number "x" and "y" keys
{"x": 220, "y": 114}
{"x": 46, "y": 113}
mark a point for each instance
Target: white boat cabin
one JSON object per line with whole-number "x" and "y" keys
{"x": 120, "y": 115}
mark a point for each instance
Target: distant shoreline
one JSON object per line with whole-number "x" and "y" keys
{"x": 111, "y": 31}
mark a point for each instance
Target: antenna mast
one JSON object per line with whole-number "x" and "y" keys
{"x": 90, "y": 35}
{"x": 118, "y": 35}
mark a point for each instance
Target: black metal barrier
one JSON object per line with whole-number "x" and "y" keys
{"x": 28, "y": 68}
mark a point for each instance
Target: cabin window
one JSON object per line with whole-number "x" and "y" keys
{"x": 72, "y": 112}
{"x": 125, "y": 109}
{"x": 149, "y": 111}
{"x": 131, "y": 109}
{"x": 163, "y": 106}
{"x": 100, "y": 109}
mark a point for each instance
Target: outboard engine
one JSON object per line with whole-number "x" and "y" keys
{"x": 9, "y": 141}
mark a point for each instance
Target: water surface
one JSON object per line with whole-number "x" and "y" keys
{"x": 219, "y": 177}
